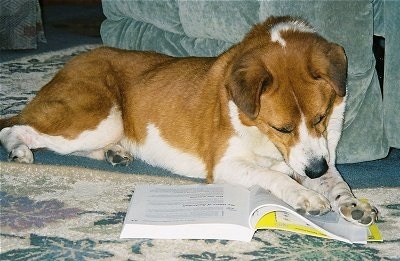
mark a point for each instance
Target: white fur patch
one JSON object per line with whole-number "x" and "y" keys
{"x": 334, "y": 130}
{"x": 277, "y": 29}
{"x": 157, "y": 152}
{"x": 306, "y": 149}
{"x": 249, "y": 151}
{"x": 109, "y": 131}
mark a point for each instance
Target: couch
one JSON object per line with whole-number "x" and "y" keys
{"x": 207, "y": 28}
{"x": 21, "y": 25}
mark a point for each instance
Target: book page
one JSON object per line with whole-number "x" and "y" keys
{"x": 285, "y": 221}
{"x": 334, "y": 223}
{"x": 174, "y": 205}
{"x": 284, "y": 217}
{"x": 263, "y": 202}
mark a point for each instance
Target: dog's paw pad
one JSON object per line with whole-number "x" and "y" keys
{"x": 301, "y": 211}
{"x": 311, "y": 203}
{"x": 357, "y": 214}
{"x": 117, "y": 157}
{"x": 360, "y": 213}
{"x": 315, "y": 212}
{"x": 21, "y": 154}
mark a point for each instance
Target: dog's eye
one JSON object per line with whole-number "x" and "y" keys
{"x": 315, "y": 75}
{"x": 265, "y": 83}
{"x": 318, "y": 119}
{"x": 285, "y": 129}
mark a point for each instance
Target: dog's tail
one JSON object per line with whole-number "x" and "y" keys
{"x": 8, "y": 122}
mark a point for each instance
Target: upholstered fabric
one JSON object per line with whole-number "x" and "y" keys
{"x": 21, "y": 24}
{"x": 207, "y": 28}
{"x": 387, "y": 24}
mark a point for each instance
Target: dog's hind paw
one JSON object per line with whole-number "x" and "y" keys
{"x": 358, "y": 212}
{"x": 118, "y": 156}
{"x": 21, "y": 154}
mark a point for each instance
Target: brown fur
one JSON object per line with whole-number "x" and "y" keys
{"x": 188, "y": 97}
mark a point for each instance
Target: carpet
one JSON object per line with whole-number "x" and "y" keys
{"x": 72, "y": 208}
{"x": 67, "y": 213}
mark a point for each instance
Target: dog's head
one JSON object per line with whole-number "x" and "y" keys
{"x": 287, "y": 80}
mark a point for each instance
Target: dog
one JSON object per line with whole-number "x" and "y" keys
{"x": 268, "y": 111}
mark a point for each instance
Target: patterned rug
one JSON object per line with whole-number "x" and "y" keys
{"x": 69, "y": 213}
{"x": 65, "y": 213}
{"x": 21, "y": 79}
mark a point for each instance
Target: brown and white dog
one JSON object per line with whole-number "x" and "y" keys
{"x": 268, "y": 111}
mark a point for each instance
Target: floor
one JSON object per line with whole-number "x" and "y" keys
{"x": 65, "y": 26}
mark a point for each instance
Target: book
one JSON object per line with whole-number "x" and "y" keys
{"x": 228, "y": 212}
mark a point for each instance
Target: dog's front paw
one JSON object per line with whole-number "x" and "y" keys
{"x": 21, "y": 154}
{"x": 358, "y": 212}
{"x": 310, "y": 202}
{"x": 118, "y": 156}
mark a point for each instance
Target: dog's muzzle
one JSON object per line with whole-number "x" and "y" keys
{"x": 316, "y": 168}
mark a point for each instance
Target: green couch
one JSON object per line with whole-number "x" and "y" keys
{"x": 21, "y": 25}
{"x": 207, "y": 28}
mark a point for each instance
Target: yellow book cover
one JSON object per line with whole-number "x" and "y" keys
{"x": 284, "y": 221}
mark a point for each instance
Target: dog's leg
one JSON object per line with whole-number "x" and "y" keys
{"x": 342, "y": 200}
{"x": 19, "y": 140}
{"x": 114, "y": 154}
{"x": 117, "y": 155}
{"x": 247, "y": 174}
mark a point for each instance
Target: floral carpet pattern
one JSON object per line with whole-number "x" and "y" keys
{"x": 21, "y": 79}
{"x": 67, "y": 213}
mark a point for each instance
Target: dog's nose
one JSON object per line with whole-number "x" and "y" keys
{"x": 316, "y": 168}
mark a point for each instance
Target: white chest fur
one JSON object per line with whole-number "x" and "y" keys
{"x": 249, "y": 147}
{"x": 157, "y": 152}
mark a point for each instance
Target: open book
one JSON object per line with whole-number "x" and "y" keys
{"x": 223, "y": 211}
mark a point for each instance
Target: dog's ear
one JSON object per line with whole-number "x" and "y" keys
{"x": 247, "y": 80}
{"x": 329, "y": 62}
{"x": 338, "y": 68}
{"x": 336, "y": 71}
